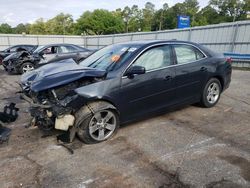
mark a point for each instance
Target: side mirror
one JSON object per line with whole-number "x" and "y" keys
{"x": 135, "y": 70}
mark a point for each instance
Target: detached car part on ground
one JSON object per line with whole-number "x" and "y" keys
{"x": 9, "y": 114}
{"x": 121, "y": 83}
{"x": 21, "y": 62}
{"x": 16, "y": 48}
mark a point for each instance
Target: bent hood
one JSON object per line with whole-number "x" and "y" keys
{"x": 12, "y": 56}
{"x": 56, "y": 74}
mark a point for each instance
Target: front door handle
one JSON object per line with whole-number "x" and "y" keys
{"x": 203, "y": 69}
{"x": 167, "y": 78}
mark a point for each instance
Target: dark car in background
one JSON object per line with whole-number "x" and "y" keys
{"x": 14, "y": 49}
{"x": 121, "y": 83}
{"x": 21, "y": 62}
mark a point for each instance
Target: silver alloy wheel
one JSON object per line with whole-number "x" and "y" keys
{"x": 102, "y": 125}
{"x": 27, "y": 68}
{"x": 213, "y": 92}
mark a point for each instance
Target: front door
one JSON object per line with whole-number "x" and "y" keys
{"x": 49, "y": 55}
{"x": 150, "y": 91}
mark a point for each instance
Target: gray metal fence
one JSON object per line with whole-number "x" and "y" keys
{"x": 226, "y": 37}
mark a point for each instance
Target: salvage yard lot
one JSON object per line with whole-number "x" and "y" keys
{"x": 188, "y": 147}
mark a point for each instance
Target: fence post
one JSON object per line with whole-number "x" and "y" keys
{"x": 189, "y": 34}
{"x": 156, "y": 35}
{"x": 131, "y": 37}
{"x": 37, "y": 40}
{"x": 234, "y": 35}
{"x": 8, "y": 39}
{"x": 98, "y": 42}
{"x": 85, "y": 41}
{"x": 113, "y": 39}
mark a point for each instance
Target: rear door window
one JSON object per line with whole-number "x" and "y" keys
{"x": 186, "y": 54}
{"x": 71, "y": 49}
{"x": 67, "y": 49}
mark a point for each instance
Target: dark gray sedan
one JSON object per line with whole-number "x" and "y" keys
{"x": 21, "y": 62}
{"x": 122, "y": 83}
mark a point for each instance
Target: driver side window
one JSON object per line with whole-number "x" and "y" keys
{"x": 50, "y": 50}
{"x": 155, "y": 58}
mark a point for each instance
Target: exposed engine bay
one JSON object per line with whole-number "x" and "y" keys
{"x": 55, "y": 108}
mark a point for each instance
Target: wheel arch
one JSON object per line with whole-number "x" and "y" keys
{"x": 90, "y": 107}
{"x": 220, "y": 78}
{"x": 105, "y": 101}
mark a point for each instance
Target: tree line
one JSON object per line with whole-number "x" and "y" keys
{"x": 134, "y": 19}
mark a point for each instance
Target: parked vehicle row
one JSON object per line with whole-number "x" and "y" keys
{"x": 122, "y": 83}
{"x": 23, "y": 60}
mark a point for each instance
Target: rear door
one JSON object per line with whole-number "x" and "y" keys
{"x": 150, "y": 91}
{"x": 67, "y": 52}
{"x": 191, "y": 72}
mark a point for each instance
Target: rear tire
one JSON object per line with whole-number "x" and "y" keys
{"x": 26, "y": 67}
{"x": 211, "y": 93}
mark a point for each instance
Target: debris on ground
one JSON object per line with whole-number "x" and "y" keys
{"x": 4, "y": 134}
{"x": 63, "y": 139}
{"x": 9, "y": 114}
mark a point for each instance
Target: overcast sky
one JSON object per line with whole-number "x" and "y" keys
{"x": 14, "y": 12}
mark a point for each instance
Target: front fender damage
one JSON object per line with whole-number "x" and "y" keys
{"x": 61, "y": 107}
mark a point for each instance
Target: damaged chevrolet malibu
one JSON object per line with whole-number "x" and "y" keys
{"x": 121, "y": 83}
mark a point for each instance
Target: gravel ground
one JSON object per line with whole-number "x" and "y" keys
{"x": 188, "y": 147}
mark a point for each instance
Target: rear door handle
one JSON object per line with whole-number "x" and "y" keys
{"x": 167, "y": 78}
{"x": 203, "y": 69}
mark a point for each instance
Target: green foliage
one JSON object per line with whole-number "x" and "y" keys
{"x": 5, "y": 28}
{"x": 99, "y": 22}
{"x": 148, "y": 15}
{"x": 62, "y": 24}
{"x": 134, "y": 19}
{"x": 229, "y": 9}
{"x": 21, "y": 28}
{"x": 39, "y": 27}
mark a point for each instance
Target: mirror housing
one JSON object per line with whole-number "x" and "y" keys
{"x": 135, "y": 70}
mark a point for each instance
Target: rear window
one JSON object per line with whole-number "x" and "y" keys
{"x": 186, "y": 54}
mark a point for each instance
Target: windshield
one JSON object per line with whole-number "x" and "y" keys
{"x": 110, "y": 56}
{"x": 38, "y": 49}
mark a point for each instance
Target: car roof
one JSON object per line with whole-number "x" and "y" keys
{"x": 150, "y": 42}
{"x": 61, "y": 44}
{"x": 146, "y": 43}
{"x": 23, "y": 45}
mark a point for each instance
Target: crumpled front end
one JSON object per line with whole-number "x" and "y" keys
{"x": 13, "y": 62}
{"x": 55, "y": 108}
{"x": 51, "y": 92}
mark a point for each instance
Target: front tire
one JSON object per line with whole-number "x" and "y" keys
{"x": 211, "y": 93}
{"x": 99, "y": 126}
{"x": 26, "y": 67}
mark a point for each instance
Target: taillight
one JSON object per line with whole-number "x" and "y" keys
{"x": 229, "y": 60}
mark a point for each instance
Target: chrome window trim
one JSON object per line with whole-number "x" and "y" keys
{"x": 165, "y": 43}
